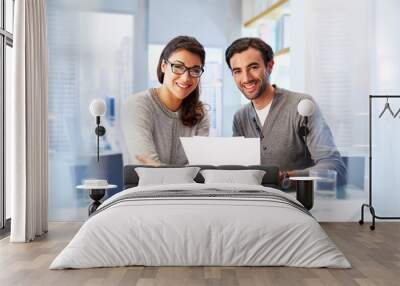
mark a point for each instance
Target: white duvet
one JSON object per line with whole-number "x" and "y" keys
{"x": 200, "y": 231}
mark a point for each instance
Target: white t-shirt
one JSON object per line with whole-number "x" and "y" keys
{"x": 263, "y": 113}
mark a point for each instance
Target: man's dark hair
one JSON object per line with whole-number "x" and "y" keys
{"x": 242, "y": 44}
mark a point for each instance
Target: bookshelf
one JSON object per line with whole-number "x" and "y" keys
{"x": 282, "y": 52}
{"x": 273, "y": 12}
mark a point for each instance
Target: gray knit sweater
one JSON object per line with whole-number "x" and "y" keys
{"x": 150, "y": 129}
{"x": 281, "y": 144}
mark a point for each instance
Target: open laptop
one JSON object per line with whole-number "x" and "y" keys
{"x": 221, "y": 150}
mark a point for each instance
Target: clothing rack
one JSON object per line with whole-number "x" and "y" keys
{"x": 369, "y": 205}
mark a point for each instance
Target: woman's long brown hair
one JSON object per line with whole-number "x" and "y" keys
{"x": 192, "y": 109}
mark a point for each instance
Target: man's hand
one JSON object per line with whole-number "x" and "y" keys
{"x": 284, "y": 181}
{"x": 282, "y": 174}
{"x": 146, "y": 161}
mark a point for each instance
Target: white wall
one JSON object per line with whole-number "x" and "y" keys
{"x": 204, "y": 20}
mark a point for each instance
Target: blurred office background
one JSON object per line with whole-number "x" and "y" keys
{"x": 338, "y": 51}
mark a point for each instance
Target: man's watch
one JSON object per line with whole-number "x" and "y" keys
{"x": 285, "y": 183}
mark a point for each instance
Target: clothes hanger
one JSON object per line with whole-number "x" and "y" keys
{"x": 397, "y": 113}
{"x": 387, "y": 107}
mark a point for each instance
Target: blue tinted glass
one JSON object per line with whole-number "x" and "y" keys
{"x": 90, "y": 56}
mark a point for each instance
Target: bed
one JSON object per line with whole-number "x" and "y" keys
{"x": 202, "y": 223}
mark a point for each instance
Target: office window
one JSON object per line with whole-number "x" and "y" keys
{"x": 90, "y": 56}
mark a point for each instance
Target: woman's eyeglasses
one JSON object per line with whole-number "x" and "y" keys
{"x": 181, "y": 69}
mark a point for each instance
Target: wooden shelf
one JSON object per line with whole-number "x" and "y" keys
{"x": 273, "y": 12}
{"x": 282, "y": 52}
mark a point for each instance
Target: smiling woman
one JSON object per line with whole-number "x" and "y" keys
{"x": 153, "y": 120}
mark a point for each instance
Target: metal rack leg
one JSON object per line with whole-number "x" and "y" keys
{"x": 361, "y": 221}
{"x": 372, "y": 211}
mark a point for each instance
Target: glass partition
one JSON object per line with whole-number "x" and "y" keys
{"x": 90, "y": 57}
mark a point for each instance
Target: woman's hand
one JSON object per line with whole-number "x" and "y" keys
{"x": 146, "y": 161}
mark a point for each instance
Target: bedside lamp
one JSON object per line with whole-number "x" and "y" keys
{"x": 305, "y": 108}
{"x": 98, "y": 108}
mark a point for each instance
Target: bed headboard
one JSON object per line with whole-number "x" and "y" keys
{"x": 270, "y": 179}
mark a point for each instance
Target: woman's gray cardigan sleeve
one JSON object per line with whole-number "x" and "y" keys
{"x": 137, "y": 127}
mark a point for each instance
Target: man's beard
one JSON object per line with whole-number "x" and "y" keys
{"x": 263, "y": 86}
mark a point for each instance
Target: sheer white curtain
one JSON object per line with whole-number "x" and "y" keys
{"x": 27, "y": 123}
{"x": 338, "y": 63}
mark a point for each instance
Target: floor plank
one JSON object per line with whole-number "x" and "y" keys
{"x": 374, "y": 255}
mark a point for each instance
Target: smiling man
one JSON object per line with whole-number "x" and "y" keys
{"x": 272, "y": 116}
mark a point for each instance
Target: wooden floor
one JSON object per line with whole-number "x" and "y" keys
{"x": 374, "y": 255}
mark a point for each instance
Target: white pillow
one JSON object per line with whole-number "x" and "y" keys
{"x": 166, "y": 176}
{"x": 248, "y": 177}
